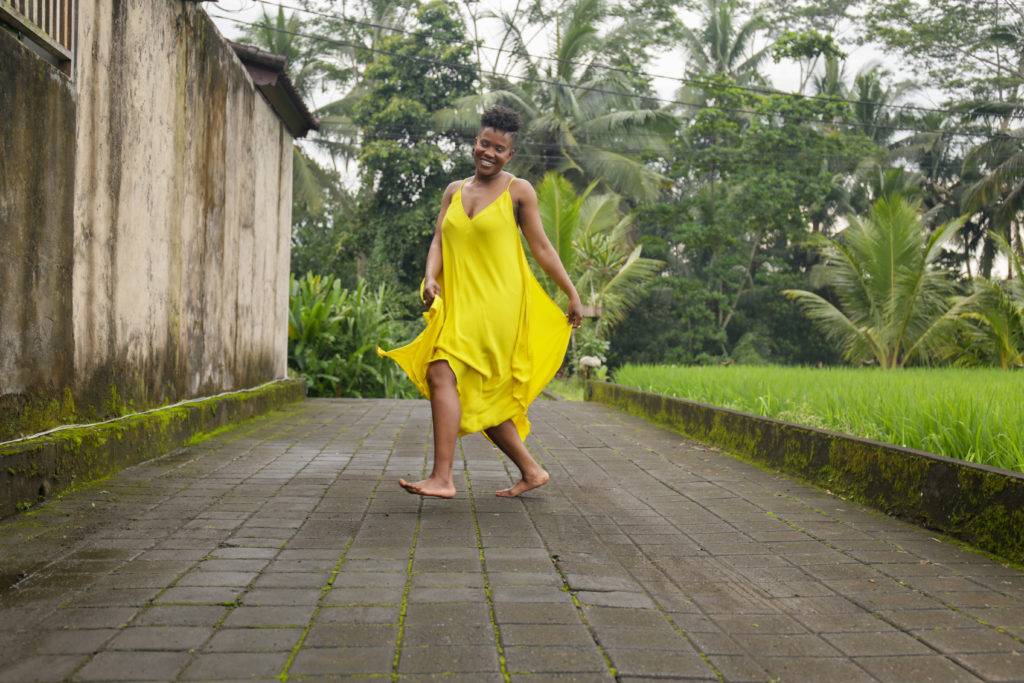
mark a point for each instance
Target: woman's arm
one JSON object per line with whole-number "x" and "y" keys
{"x": 525, "y": 198}
{"x": 435, "y": 254}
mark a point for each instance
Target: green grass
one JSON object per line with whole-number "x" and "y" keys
{"x": 974, "y": 415}
{"x": 567, "y": 389}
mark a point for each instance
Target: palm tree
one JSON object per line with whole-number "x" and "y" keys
{"x": 894, "y": 300}
{"x": 871, "y": 97}
{"x": 317, "y": 63}
{"x": 722, "y": 48}
{"x": 991, "y": 330}
{"x": 1001, "y": 189}
{"x": 283, "y": 35}
{"x": 356, "y": 38}
{"x": 580, "y": 119}
{"x": 594, "y": 241}
{"x": 933, "y": 149}
{"x": 872, "y": 100}
{"x": 1000, "y": 192}
{"x": 874, "y": 180}
{"x": 831, "y": 82}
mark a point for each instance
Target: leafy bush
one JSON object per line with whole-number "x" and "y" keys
{"x": 333, "y": 334}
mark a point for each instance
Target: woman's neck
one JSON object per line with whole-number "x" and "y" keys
{"x": 488, "y": 179}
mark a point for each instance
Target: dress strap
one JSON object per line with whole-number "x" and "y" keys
{"x": 515, "y": 210}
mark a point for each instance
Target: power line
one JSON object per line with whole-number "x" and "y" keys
{"x": 722, "y": 158}
{"x": 353, "y": 131}
{"x": 629, "y": 72}
{"x": 606, "y": 91}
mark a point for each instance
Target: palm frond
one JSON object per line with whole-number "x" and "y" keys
{"x": 654, "y": 125}
{"x": 623, "y": 174}
{"x": 854, "y": 341}
{"x": 559, "y": 211}
{"x": 1007, "y": 177}
{"x": 597, "y": 213}
{"x": 693, "y": 45}
{"x": 625, "y": 289}
{"x": 306, "y": 186}
{"x": 1016, "y": 259}
{"x": 520, "y": 59}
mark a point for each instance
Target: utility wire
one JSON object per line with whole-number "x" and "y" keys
{"x": 533, "y": 146}
{"x": 629, "y": 72}
{"x": 594, "y": 89}
{"x": 468, "y": 133}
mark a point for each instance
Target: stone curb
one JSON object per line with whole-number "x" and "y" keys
{"x": 36, "y": 469}
{"x": 981, "y": 505}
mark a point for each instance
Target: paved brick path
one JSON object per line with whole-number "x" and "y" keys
{"x": 285, "y": 549}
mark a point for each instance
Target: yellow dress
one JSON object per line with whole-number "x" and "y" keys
{"x": 495, "y": 325}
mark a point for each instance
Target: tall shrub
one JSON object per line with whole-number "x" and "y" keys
{"x": 333, "y": 334}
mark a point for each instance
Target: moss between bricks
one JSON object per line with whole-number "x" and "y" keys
{"x": 983, "y": 506}
{"x": 34, "y": 470}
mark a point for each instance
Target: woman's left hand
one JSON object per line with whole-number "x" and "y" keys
{"x": 574, "y": 311}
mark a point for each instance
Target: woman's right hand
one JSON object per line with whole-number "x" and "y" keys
{"x": 430, "y": 290}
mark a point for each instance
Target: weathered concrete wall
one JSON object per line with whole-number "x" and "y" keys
{"x": 145, "y": 209}
{"x": 145, "y": 226}
{"x": 981, "y": 505}
{"x": 37, "y": 159}
{"x": 182, "y": 206}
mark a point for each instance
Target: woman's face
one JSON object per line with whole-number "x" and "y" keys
{"x": 491, "y": 151}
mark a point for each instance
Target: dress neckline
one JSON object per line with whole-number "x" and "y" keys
{"x": 491, "y": 203}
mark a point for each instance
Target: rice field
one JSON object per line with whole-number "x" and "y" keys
{"x": 971, "y": 414}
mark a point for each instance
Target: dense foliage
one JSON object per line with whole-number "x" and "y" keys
{"x": 712, "y": 202}
{"x": 333, "y": 335}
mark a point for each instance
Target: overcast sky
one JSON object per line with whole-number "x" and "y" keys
{"x": 784, "y": 76}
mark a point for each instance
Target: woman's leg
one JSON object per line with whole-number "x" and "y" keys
{"x": 447, "y": 413}
{"x": 506, "y": 437}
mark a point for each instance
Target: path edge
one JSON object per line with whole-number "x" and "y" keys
{"x": 978, "y": 504}
{"x": 37, "y": 469}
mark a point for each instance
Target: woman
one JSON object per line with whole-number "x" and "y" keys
{"x": 494, "y": 338}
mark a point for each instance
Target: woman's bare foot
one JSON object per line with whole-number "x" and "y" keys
{"x": 525, "y": 484}
{"x": 429, "y": 487}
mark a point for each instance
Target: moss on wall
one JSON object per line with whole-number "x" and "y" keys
{"x": 981, "y": 505}
{"x": 33, "y": 470}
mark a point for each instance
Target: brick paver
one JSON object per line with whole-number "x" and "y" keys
{"x": 284, "y": 549}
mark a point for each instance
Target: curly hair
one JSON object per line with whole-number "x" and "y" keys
{"x": 502, "y": 118}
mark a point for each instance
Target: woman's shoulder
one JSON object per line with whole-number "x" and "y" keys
{"x": 522, "y": 191}
{"x": 520, "y": 188}
{"x": 453, "y": 187}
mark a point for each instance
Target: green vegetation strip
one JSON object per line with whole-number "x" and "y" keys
{"x": 975, "y": 415}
